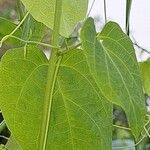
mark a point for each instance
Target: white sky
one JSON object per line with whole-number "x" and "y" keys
{"x": 139, "y": 22}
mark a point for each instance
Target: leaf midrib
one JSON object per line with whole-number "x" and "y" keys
{"x": 67, "y": 114}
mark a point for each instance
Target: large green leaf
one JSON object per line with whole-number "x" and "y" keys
{"x": 111, "y": 58}
{"x": 81, "y": 117}
{"x": 145, "y": 70}
{"x": 73, "y": 11}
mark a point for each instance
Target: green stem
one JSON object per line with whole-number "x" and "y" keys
{"x": 54, "y": 63}
{"x": 121, "y": 127}
{"x": 2, "y": 126}
{"x": 69, "y": 48}
{"x": 34, "y": 42}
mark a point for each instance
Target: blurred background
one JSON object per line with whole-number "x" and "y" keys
{"x": 115, "y": 11}
{"x": 139, "y": 19}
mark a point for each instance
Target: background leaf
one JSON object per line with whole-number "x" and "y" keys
{"x": 112, "y": 61}
{"x": 7, "y": 27}
{"x": 33, "y": 30}
{"x": 72, "y": 13}
{"x": 145, "y": 70}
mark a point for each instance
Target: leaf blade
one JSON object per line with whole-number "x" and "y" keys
{"x": 144, "y": 66}
{"x": 83, "y": 114}
{"x": 44, "y": 12}
{"x": 112, "y": 61}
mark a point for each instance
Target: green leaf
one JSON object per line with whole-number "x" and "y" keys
{"x": 2, "y": 147}
{"x": 111, "y": 58}
{"x": 145, "y": 70}
{"x": 6, "y": 27}
{"x": 44, "y": 11}
{"x": 81, "y": 117}
{"x": 33, "y": 30}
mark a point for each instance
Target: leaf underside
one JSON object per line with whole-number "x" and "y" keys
{"x": 73, "y": 11}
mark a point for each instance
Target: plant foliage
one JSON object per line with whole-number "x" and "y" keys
{"x": 66, "y": 102}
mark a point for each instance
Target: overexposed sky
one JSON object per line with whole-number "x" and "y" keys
{"x": 139, "y": 21}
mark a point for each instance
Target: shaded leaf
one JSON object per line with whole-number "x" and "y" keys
{"x": 33, "y": 30}
{"x": 6, "y": 27}
{"x": 145, "y": 70}
{"x": 72, "y": 13}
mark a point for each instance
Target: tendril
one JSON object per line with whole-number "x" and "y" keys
{"x": 18, "y": 26}
{"x": 142, "y": 138}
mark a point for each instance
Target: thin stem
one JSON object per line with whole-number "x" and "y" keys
{"x": 4, "y": 137}
{"x": 54, "y": 63}
{"x": 2, "y": 126}
{"x": 146, "y": 130}
{"x": 126, "y": 147}
{"x": 69, "y": 48}
{"x": 137, "y": 45}
{"x": 34, "y": 42}
{"x": 91, "y": 8}
{"x": 19, "y": 25}
{"x": 105, "y": 11}
{"x": 121, "y": 127}
{"x": 128, "y": 10}
{"x": 142, "y": 138}
{"x": 143, "y": 49}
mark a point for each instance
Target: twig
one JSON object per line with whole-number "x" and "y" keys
{"x": 34, "y": 42}
{"x": 148, "y": 52}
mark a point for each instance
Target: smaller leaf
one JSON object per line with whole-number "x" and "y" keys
{"x": 7, "y": 27}
{"x": 145, "y": 70}
{"x": 33, "y": 30}
{"x": 73, "y": 11}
